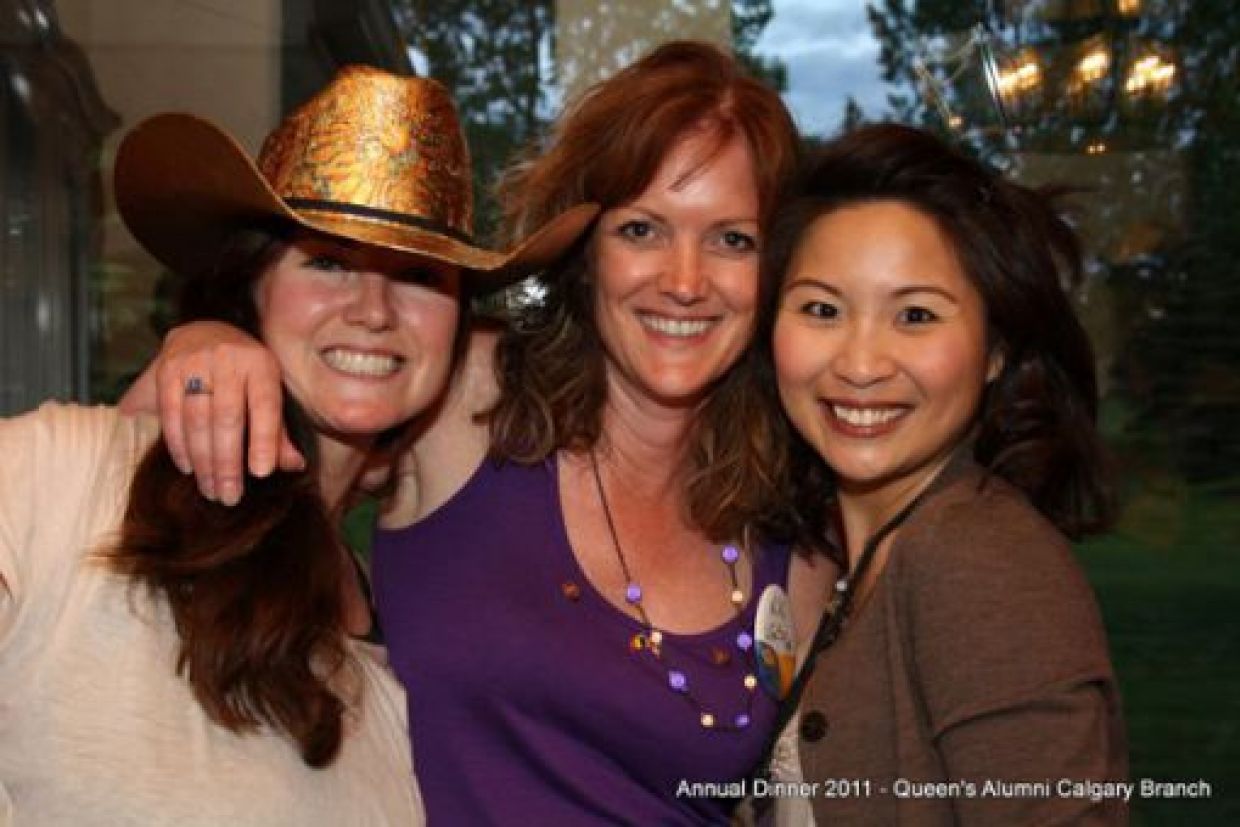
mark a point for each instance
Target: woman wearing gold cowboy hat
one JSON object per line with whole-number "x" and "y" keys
{"x": 163, "y": 659}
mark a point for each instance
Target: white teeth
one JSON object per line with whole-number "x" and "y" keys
{"x": 361, "y": 364}
{"x": 865, "y": 417}
{"x": 675, "y": 327}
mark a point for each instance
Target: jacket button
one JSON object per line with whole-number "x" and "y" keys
{"x": 813, "y": 726}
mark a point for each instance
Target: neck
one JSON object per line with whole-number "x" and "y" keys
{"x": 473, "y": 382}
{"x": 340, "y": 462}
{"x": 865, "y": 509}
{"x": 644, "y": 442}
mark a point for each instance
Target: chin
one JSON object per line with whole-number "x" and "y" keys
{"x": 856, "y": 470}
{"x": 361, "y": 423}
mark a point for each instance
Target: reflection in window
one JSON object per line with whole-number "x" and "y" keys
{"x": 52, "y": 123}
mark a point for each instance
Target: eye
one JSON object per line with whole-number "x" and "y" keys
{"x": 325, "y": 263}
{"x": 917, "y": 316}
{"x": 421, "y": 275}
{"x": 819, "y": 310}
{"x": 637, "y": 229}
{"x": 738, "y": 241}
{"x": 439, "y": 279}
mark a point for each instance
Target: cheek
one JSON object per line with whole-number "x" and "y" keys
{"x": 794, "y": 354}
{"x": 612, "y": 268}
{"x": 955, "y": 372}
{"x": 287, "y": 308}
{"x": 431, "y": 318}
{"x": 739, "y": 287}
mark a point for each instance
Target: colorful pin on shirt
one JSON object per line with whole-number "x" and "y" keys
{"x": 775, "y": 642}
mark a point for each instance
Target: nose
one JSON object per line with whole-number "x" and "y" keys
{"x": 683, "y": 277}
{"x": 863, "y": 358}
{"x": 371, "y": 305}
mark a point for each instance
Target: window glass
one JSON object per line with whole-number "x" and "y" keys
{"x": 1134, "y": 102}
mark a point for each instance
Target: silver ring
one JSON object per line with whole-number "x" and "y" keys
{"x": 196, "y": 386}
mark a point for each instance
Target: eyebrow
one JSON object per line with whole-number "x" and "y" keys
{"x": 658, "y": 217}
{"x": 913, "y": 289}
{"x": 903, "y": 292}
{"x": 809, "y": 281}
{"x": 318, "y": 239}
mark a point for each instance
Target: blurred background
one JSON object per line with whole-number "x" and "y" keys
{"x": 1135, "y": 102}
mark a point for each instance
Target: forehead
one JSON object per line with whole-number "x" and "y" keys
{"x": 705, "y": 157}
{"x": 884, "y": 241}
{"x": 364, "y": 256}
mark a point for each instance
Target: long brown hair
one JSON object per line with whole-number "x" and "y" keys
{"x": 607, "y": 148}
{"x": 1036, "y": 423}
{"x": 254, "y": 589}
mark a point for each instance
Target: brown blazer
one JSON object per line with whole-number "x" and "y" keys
{"x": 979, "y": 666}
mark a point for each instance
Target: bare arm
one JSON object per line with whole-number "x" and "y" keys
{"x": 452, "y": 443}
{"x": 206, "y": 433}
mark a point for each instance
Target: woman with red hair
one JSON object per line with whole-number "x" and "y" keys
{"x": 570, "y": 578}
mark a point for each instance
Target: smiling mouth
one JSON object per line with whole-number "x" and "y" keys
{"x": 679, "y": 328}
{"x": 865, "y": 420}
{"x": 356, "y": 363}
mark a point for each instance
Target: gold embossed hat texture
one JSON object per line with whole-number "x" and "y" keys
{"x": 374, "y": 158}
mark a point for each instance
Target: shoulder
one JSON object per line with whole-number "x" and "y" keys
{"x": 62, "y": 438}
{"x": 981, "y": 531}
{"x": 63, "y": 484}
{"x": 991, "y": 601}
{"x": 452, "y": 441}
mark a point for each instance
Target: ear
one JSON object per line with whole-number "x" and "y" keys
{"x": 994, "y": 364}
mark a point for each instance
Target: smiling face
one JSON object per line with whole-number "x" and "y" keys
{"x": 676, "y": 274}
{"x": 363, "y": 335}
{"x": 880, "y": 347}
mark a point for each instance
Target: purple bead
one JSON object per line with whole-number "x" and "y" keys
{"x": 677, "y": 680}
{"x": 744, "y": 641}
{"x": 633, "y": 593}
{"x": 741, "y": 721}
{"x": 730, "y": 555}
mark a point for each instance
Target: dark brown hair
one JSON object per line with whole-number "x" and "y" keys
{"x": 254, "y": 589}
{"x": 607, "y": 149}
{"x": 1036, "y": 424}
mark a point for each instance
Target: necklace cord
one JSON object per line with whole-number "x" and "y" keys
{"x": 678, "y": 679}
{"x": 829, "y": 628}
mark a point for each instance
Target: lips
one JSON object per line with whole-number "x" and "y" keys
{"x": 857, "y": 420}
{"x": 362, "y": 363}
{"x": 674, "y": 327}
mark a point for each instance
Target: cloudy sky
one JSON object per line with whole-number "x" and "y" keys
{"x": 830, "y": 54}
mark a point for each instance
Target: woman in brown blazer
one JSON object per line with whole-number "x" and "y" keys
{"x": 926, "y": 352}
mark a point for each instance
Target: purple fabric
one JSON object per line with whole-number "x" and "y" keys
{"x": 527, "y": 707}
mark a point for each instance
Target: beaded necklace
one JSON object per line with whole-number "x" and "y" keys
{"x": 650, "y": 642}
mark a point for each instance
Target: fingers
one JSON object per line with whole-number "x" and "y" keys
{"x": 269, "y": 445}
{"x": 290, "y": 458}
{"x": 232, "y": 378}
{"x": 225, "y": 436}
{"x": 196, "y": 413}
{"x": 170, "y": 393}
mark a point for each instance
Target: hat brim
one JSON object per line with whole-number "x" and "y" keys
{"x": 183, "y": 186}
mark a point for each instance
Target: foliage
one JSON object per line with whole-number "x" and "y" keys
{"x": 1173, "y": 359}
{"x": 495, "y": 56}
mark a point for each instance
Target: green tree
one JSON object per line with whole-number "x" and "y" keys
{"x": 495, "y": 56}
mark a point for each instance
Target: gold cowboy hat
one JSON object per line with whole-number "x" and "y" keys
{"x": 373, "y": 157}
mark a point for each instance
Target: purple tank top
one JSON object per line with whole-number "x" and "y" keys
{"x": 526, "y": 705}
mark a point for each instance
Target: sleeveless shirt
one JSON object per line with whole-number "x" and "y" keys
{"x": 526, "y": 703}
